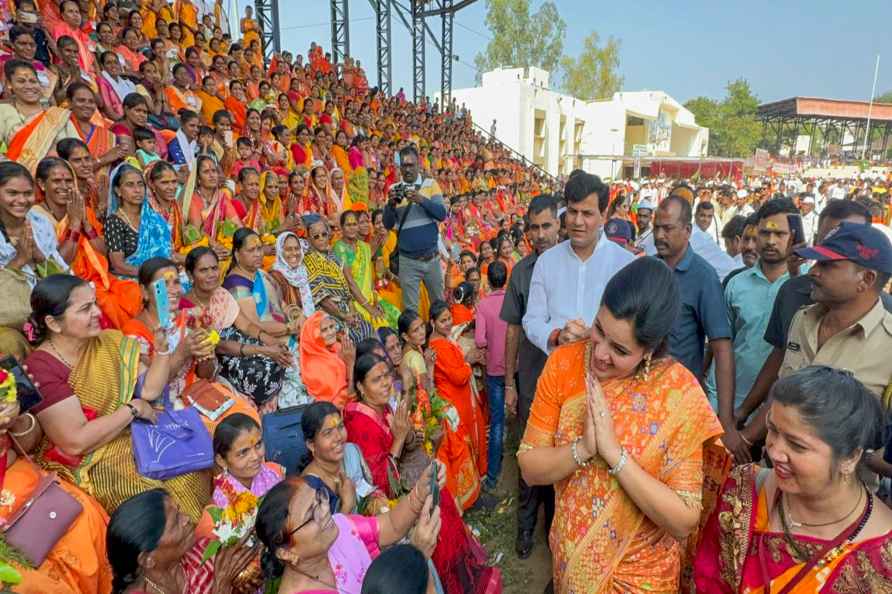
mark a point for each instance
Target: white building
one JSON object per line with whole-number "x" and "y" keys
{"x": 560, "y": 133}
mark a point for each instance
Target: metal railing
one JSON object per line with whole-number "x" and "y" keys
{"x": 519, "y": 156}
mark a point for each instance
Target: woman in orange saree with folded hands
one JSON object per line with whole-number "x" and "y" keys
{"x": 453, "y": 376}
{"x": 81, "y": 241}
{"x": 620, "y": 431}
{"x": 809, "y": 524}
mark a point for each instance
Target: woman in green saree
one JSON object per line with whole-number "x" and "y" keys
{"x": 356, "y": 257}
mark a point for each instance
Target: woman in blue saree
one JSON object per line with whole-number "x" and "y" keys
{"x": 134, "y": 231}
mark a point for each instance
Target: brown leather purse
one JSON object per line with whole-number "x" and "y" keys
{"x": 42, "y": 520}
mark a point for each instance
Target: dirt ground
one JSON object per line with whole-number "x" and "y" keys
{"x": 497, "y": 530}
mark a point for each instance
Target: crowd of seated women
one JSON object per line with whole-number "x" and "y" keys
{"x": 142, "y": 148}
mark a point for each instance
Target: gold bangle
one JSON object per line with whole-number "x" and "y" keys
{"x": 29, "y": 429}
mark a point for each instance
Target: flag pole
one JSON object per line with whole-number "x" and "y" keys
{"x": 873, "y": 92}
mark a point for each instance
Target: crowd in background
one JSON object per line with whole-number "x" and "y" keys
{"x": 260, "y": 300}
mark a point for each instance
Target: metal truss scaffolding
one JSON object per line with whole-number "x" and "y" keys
{"x": 446, "y": 57}
{"x": 268, "y": 17}
{"x": 418, "y": 58}
{"x": 382, "y": 26}
{"x": 340, "y": 30}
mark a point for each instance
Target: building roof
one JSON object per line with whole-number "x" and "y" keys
{"x": 815, "y": 107}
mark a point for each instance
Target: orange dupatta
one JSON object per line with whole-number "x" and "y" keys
{"x": 35, "y": 139}
{"x": 323, "y": 371}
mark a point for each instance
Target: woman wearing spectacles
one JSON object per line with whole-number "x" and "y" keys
{"x": 315, "y": 551}
{"x": 330, "y": 288}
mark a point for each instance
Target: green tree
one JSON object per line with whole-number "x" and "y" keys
{"x": 594, "y": 74}
{"x": 885, "y": 97}
{"x": 734, "y": 130}
{"x": 520, "y": 39}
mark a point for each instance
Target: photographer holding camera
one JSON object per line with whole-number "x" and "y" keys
{"x": 415, "y": 208}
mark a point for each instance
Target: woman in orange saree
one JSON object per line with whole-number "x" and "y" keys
{"x": 81, "y": 241}
{"x": 76, "y": 564}
{"x": 454, "y": 451}
{"x": 753, "y": 542}
{"x": 237, "y": 105}
{"x": 90, "y": 125}
{"x": 326, "y": 366}
{"x": 620, "y": 431}
{"x": 453, "y": 377}
{"x": 192, "y": 380}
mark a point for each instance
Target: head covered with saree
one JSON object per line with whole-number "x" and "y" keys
{"x": 295, "y": 273}
{"x": 155, "y": 237}
{"x": 323, "y": 371}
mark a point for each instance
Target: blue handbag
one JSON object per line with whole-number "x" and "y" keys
{"x": 178, "y": 443}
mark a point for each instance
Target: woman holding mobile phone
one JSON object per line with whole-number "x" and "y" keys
{"x": 94, "y": 385}
{"x": 381, "y": 434}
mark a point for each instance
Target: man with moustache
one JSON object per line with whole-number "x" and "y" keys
{"x": 703, "y": 314}
{"x": 568, "y": 279}
{"x": 749, "y": 296}
{"x": 748, "y": 246}
{"x": 796, "y": 295}
{"x": 524, "y": 361}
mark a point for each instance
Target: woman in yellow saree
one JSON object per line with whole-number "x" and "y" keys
{"x": 249, "y": 28}
{"x": 620, "y": 430}
{"x": 356, "y": 257}
{"x": 93, "y": 388}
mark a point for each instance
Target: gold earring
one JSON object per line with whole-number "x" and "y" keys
{"x": 644, "y": 372}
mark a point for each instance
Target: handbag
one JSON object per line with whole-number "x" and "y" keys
{"x": 15, "y": 294}
{"x": 177, "y": 443}
{"x": 283, "y": 437}
{"x": 42, "y": 520}
{"x": 394, "y": 264}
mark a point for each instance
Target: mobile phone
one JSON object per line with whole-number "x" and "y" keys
{"x": 435, "y": 487}
{"x": 796, "y": 229}
{"x": 162, "y": 303}
{"x": 27, "y": 393}
{"x": 29, "y": 18}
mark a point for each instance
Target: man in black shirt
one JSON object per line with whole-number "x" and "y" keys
{"x": 524, "y": 361}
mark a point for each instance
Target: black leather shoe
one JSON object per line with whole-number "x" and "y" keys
{"x": 523, "y": 546}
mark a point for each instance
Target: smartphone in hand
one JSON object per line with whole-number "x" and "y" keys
{"x": 162, "y": 303}
{"x": 26, "y": 392}
{"x": 797, "y": 231}
{"x": 435, "y": 486}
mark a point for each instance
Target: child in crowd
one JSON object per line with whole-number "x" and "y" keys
{"x": 145, "y": 146}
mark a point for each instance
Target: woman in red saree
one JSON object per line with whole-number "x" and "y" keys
{"x": 809, "y": 524}
{"x": 380, "y": 433}
{"x": 453, "y": 377}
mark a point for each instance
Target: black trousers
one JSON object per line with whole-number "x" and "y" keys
{"x": 530, "y": 498}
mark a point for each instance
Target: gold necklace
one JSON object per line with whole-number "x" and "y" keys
{"x": 58, "y": 354}
{"x": 795, "y": 524}
{"x": 123, "y": 215}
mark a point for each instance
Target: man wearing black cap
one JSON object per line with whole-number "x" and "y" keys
{"x": 847, "y": 327}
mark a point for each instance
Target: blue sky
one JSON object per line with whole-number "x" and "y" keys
{"x": 784, "y": 48}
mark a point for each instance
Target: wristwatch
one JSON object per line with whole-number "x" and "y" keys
{"x": 133, "y": 410}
